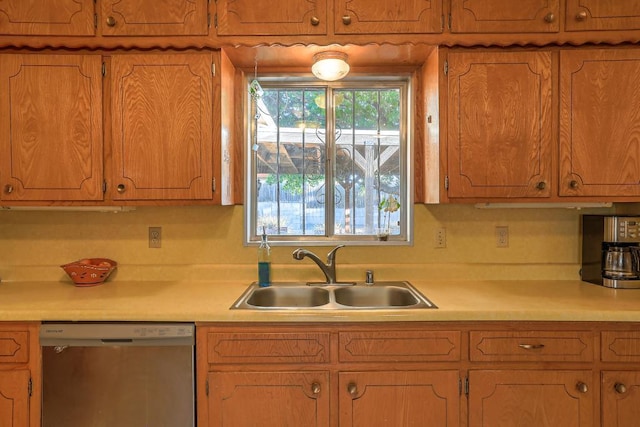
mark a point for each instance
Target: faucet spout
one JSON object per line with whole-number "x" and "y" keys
{"x": 328, "y": 269}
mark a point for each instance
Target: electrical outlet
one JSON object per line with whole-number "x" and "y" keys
{"x": 502, "y": 236}
{"x": 441, "y": 238}
{"x": 155, "y": 237}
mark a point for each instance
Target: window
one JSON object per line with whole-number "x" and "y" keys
{"x": 329, "y": 163}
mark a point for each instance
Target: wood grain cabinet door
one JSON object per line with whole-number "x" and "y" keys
{"x": 276, "y": 17}
{"x": 153, "y": 17}
{"x": 600, "y": 122}
{"x": 14, "y": 398}
{"x": 620, "y": 398}
{"x": 499, "y": 124}
{"x": 522, "y": 398}
{"x": 162, "y": 126}
{"x": 500, "y": 16}
{"x": 269, "y": 399}
{"x": 47, "y": 17}
{"x": 400, "y": 398}
{"x": 388, "y": 17}
{"x": 594, "y": 15}
{"x": 51, "y": 127}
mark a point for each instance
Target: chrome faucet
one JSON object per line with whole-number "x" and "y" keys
{"x": 329, "y": 269}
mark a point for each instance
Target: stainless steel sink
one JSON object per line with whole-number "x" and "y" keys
{"x": 292, "y": 296}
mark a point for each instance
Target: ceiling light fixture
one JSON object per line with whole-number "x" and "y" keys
{"x": 330, "y": 66}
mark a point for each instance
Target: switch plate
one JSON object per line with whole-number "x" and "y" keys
{"x": 441, "y": 238}
{"x": 502, "y": 236}
{"x": 155, "y": 237}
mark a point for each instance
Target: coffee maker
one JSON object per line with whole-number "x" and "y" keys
{"x": 611, "y": 250}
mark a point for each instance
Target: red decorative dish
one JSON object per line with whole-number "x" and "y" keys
{"x": 89, "y": 271}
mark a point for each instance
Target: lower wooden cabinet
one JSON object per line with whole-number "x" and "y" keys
{"x": 620, "y": 392}
{"x": 14, "y": 398}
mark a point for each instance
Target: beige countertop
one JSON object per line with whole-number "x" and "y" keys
{"x": 210, "y": 301}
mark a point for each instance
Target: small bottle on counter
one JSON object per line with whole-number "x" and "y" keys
{"x": 264, "y": 261}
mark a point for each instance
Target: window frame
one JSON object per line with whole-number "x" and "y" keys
{"x": 401, "y": 81}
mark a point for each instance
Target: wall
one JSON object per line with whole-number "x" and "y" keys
{"x": 206, "y": 243}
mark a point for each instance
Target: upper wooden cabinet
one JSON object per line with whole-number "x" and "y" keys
{"x": 47, "y": 17}
{"x": 278, "y": 17}
{"x": 153, "y": 17}
{"x": 499, "y": 124}
{"x": 593, "y": 15}
{"x": 390, "y": 17}
{"x": 500, "y": 16}
{"x": 599, "y": 122}
{"x": 162, "y": 120}
{"x": 51, "y": 127}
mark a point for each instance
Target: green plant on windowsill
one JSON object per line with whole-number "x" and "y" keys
{"x": 388, "y": 205}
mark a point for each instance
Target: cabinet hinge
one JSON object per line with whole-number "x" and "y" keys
{"x": 442, "y": 22}
{"x": 95, "y": 20}
{"x": 466, "y": 386}
{"x": 104, "y": 186}
{"x": 206, "y": 387}
{"x": 213, "y": 185}
{"x": 449, "y": 23}
{"x": 208, "y": 20}
{"x": 104, "y": 69}
{"x": 446, "y": 182}
{"x": 446, "y": 68}
{"x": 30, "y": 387}
{"x": 215, "y": 20}
{"x": 213, "y": 69}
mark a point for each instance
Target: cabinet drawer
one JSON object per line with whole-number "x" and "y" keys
{"x": 267, "y": 348}
{"x": 620, "y": 346}
{"x": 14, "y": 346}
{"x": 531, "y": 346}
{"x": 396, "y": 346}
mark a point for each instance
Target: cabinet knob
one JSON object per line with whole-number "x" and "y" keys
{"x": 531, "y": 346}
{"x": 620, "y": 388}
{"x": 8, "y": 188}
{"x": 315, "y": 21}
{"x": 582, "y": 387}
{"x": 352, "y": 388}
{"x": 573, "y": 184}
{"x": 346, "y": 19}
{"x": 541, "y": 185}
{"x": 581, "y": 16}
{"x": 121, "y": 188}
{"x": 315, "y": 388}
{"x": 549, "y": 18}
{"x": 111, "y": 21}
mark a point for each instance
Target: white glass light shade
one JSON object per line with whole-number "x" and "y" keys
{"x": 330, "y": 66}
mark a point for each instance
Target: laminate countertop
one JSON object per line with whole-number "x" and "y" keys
{"x": 209, "y": 301}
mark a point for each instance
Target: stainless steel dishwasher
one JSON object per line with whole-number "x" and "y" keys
{"x": 118, "y": 374}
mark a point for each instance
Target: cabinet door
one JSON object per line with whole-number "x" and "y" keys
{"x": 153, "y": 17}
{"x": 599, "y": 122}
{"x": 51, "y": 127}
{"x": 499, "y": 124}
{"x": 162, "y": 126}
{"x": 499, "y": 16}
{"x": 516, "y": 398}
{"x": 390, "y": 17}
{"x": 269, "y": 399}
{"x": 14, "y": 398}
{"x": 47, "y": 17}
{"x": 589, "y": 15}
{"x": 620, "y": 398}
{"x": 278, "y": 17}
{"x": 370, "y": 399}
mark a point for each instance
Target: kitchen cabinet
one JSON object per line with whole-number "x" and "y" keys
{"x": 596, "y": 15}
{"x": 51, "y": 127}
{"x": 162, "y": 119}
{"x": 280, "y": 17}
{"x": 620, "y": 398}
{"x": 499, "y": 16}
{"x": 14, "y": 398}
{"x": 499, "y": 125}
{"x": 385, "y": 17}
{"x": 47, "y": 17}
{"x": 599, "y": 122}
{"x": 153, "y": 17}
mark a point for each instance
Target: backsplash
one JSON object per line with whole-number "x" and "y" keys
{"x": 205, "y": 242}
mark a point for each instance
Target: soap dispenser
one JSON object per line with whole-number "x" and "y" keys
{"x": 264, "y": 261}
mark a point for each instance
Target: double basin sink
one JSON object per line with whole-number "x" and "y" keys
{"x": 347, "y": 296}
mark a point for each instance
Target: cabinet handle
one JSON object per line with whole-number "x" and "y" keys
{"x": 531, "y": 346}
{"x": 541, "y": 185}
{"x": 8, "y": 188}
{"x": 582, "y": 387}
{"x": 121, "y": 188}
{"x": 620, "y": 388}
{"x": 352, "y": 388}
{"x": 315, "y": 388}
{"x": 573, "y": 184}
{"x": 549, "y": 18}
{"x": 346, "y": 19}
{"x": 581, "y": 16}
{"x": 111, "y": 21}
{"x": 315, "y": 21}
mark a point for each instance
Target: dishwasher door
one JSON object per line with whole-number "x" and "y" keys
{"x": 125, "y": 375}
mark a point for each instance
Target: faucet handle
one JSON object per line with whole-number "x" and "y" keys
{"x": 332, "y": 255}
